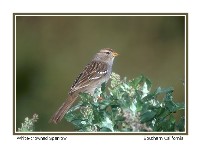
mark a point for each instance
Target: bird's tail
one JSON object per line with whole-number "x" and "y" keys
{"x": 60, "y": 113}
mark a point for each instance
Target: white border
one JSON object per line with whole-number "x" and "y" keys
{"x": 109, "y": 133}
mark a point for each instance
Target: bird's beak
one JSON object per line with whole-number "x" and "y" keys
{"x": 115, "y": 54}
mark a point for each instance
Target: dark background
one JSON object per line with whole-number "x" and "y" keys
{"x": 51, "y": 51}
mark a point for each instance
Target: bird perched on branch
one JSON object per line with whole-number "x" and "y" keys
{"x": 93, "y": 75}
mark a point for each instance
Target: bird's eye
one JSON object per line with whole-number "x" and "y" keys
{"x": 107, "y": 53}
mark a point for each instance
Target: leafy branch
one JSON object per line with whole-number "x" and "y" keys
{"x": 28, "y": 124}
{"x": 127, "y": 106}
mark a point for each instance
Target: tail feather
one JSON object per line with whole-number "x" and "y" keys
{"x": 60, "y": 113}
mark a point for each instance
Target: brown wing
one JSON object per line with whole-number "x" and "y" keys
{"x": 93, "y": 71}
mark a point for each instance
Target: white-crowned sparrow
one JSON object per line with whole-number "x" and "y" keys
{"x": 94, "y": 74}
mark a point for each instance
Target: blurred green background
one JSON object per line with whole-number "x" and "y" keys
{"x": 51, "y": 51}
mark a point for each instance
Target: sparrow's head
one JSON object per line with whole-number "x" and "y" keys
{"x": 106, "y": 55}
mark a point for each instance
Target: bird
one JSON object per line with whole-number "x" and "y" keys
{"x": 96, "y": 72}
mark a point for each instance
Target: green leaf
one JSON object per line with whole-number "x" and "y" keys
{"x": 149, "y": 83}
{"x": 181, "y": 124}
{"x": 104, "y": 129}
{"x": 139, "y": 103}
{"x": 149, "y": 97}
{"x": 107, "y": 123}
{"x": 147, "y": 116}
{"x": 137, "y": 81}
{"x": 160, "y": 90}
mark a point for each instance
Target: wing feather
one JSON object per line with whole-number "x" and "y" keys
{"x": 93, "y": 71}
